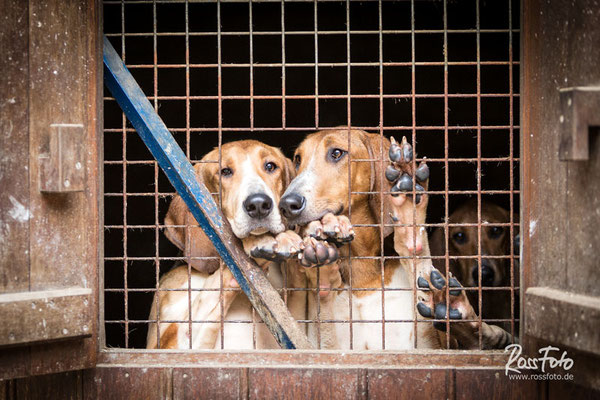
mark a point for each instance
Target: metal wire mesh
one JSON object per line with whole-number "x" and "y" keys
{"x": 442, "y": 73}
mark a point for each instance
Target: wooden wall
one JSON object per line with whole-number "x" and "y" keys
{"x": 286, "y": 383}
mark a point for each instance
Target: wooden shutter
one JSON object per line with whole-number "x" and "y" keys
{"x": 49, "y": 213}
{"x": 561, "y": 181}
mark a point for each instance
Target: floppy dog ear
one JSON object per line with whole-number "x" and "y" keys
{"x": 378, "y": 147}
{"x": 183, "y": 230}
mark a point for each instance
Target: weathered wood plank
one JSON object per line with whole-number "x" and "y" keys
{"x": 267, "y": 358}
{"x": 583, "y": 179}
{"x": 61, "y": 169}
{"x": 494, "y": 384}
{"x": 44, "y": 315}
{"x": 57, "y": 92}
{"x": 63, "y": 61}
{"x": 560, "y": 390}
{"x": 579, "y": 316}
{"x": 561, "y": 203}
{"x": 410, "y": 383}
{"x": 544, "y": 177}
{"x": 14, "y": 147}
{"x": 127, "y": 383}
{"x": 209, "y": 383}
{"x": 579, "y": 114}
{"x": 585, "y": 365}
{"x": 179, "y": 170}
{"x": 66, "y": 385}
{"x": 14, "y": 362}
{"x": 306, "y": 383}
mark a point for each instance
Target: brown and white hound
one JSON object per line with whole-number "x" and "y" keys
{"x": 327, "y": 187}
{"x": 253, "y": 178}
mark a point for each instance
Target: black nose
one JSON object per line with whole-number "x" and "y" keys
{"x": 291, "y": 205}
{"x": 258, "y": 205}
{"x": 487, "y": 274}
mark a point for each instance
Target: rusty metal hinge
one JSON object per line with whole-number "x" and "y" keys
{"x": 62, "y": 166}
{"x": 580, "y": 110}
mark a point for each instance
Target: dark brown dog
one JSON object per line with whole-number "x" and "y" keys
{"x": 495, "y": 260}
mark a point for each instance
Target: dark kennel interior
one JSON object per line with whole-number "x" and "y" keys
{"x": 443, "y": 73}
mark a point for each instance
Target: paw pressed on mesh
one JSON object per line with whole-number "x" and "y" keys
{"x": 433, "y": 303}
{"x": 279, "y": 248}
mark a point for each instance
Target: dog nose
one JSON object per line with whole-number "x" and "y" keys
{"x": 258, "y": 205}
{"x": 487, "y": 275}
{"x": 291, "y": 205}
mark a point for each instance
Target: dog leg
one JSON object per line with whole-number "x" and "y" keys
{"x": 321, "y": 303}
{"x": 322, "y": 239}
{"x": 408, "y": 202}
{"x": 433, "y": 305}
{"x": 207, "y": 307}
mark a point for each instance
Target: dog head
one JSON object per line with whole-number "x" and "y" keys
{"x": 495, "y": 241}
{"x": 323, "y": 183}
{"x": 253, "y": 177}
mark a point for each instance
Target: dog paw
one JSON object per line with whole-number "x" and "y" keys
{"x": 432, "y": 300}
{"x": 402, "y": 173}
{"x": 279, "y": 248}
{"x": 317, "y": 253}
{"x": 332, "y": 228}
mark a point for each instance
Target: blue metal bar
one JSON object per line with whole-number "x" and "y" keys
{"x": 180, "y": 172}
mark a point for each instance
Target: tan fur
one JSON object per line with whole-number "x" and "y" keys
{"x": 495, "y": 304}
{"x": 191, "y": 238}
{"x": 332, "y": 194}
{"x": 182, "y": 230}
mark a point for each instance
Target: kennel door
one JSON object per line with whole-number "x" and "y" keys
{"x": 49, "y": 213}
{"x": 561, "y": 184}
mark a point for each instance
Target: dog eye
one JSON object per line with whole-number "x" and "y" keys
{"x": 459, "y": 237}
{"x": 225, "y": 172}
{"x": 337, "y": 154}
{"x": 495, "y": 232}
{"x": 270, "y": 167}
{"x": 297, "y": 160}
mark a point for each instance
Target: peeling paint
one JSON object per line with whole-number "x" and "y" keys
{"x": 19, "y": 212}
{"x": 532, "y": 227}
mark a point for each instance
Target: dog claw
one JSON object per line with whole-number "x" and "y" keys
{"x": 437, "y": 280}
{"x": 424, "y": 310}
